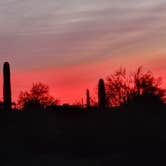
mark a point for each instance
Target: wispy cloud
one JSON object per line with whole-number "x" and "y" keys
{"x": 64, "y": 32}
{"x": 90, "y": 37}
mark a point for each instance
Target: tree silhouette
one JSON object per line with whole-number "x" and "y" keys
{"x": 141, "y": 89}
{"x": 7, "y": 87}
{"x": 38, "y": 98}
{"x": 147, "y": 91}
{"x": 118, "y": 87}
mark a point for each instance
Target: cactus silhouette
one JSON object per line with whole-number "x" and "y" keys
{"x": 6, "y": 87}
{"x": 87, "y": 98}
{"x": 101, "y": 95}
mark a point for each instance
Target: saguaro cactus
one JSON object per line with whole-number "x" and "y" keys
{"x": 101, "y": 95}
{"x": 6, "y": 87}
{"x": 87, "y": 98}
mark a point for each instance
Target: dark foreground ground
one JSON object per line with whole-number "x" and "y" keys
{"x": 82, "y": 138}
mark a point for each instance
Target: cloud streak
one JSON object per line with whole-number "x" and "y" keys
{"x": 39, "y": 34}
{"x": 60, "y": 30}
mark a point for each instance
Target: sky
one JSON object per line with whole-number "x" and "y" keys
{"x": 69, "y": 45}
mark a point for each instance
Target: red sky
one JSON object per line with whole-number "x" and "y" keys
{"x": 69, "y": 84}
{"x": 69, "y": 45}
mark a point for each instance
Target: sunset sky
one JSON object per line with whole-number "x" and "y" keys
{"x": 70, "y": 44}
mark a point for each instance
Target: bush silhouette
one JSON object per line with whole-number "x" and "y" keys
{"x": 140, "y": 89}
{"x": 7, "y": 87}
{"x": 38, "y": 98}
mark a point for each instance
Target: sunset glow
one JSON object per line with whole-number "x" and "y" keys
{"x": 69, "y": 45}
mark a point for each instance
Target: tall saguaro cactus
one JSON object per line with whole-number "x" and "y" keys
{"x": 87, "y": 98}
{"x": 6, "y": 87}
{"x": 101, "y": 94}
